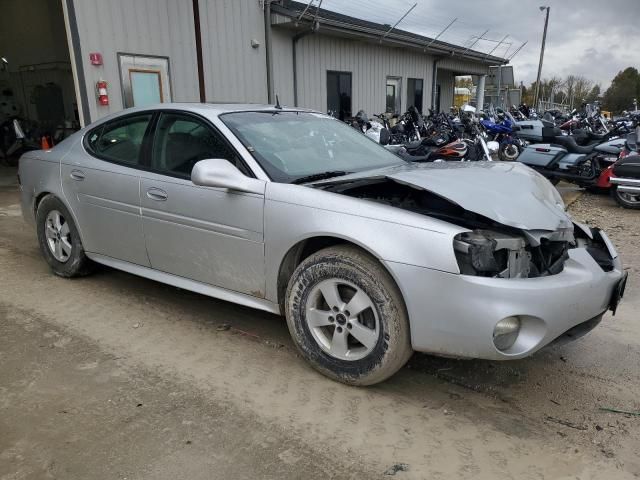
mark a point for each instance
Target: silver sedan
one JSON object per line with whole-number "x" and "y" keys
{"x": 368, "y": 256}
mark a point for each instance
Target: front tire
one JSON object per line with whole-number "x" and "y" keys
{"x": 626, "y": 200}
{"x": 59, "y": 239}
{"x": 347, "y": 317}
{"x": 508, "y": 152}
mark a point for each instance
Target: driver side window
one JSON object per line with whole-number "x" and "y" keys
{"x": 182, "y": 140}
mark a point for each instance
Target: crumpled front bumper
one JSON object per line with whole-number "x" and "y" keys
{"x": 454, "y": 315}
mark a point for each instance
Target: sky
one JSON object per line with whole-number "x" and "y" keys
{"x": 593, "y": 38}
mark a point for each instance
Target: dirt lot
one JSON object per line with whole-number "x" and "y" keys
{"x": 114, "y": 377}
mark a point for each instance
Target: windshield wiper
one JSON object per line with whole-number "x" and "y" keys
{"x": 320, "y": 176}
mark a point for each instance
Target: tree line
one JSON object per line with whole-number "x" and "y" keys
{"x": 574, "y": 90}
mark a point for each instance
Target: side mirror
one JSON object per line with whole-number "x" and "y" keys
{"x": 220, "y": 173}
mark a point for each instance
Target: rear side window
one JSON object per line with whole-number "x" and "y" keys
{"x": 120, "y": 140}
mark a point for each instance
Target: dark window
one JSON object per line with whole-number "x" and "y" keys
{"x": 120, "y": 140}
{"x": 414, "y": 93}
{"x": 182, "y": 140}
{"x": 436, "y": 103}
{"x": 391, "y": 99}
{"x": 339, "y": 94}
{"x": 393, "y": 103}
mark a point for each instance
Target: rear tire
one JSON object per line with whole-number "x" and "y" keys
{"x": 363, "y": 346}
{"x": 59, "y": 240}
{"x": 626, "y": 200}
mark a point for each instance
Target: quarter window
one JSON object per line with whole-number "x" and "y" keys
{"x": 181, "y": 141}
{"x": 120, "y": 140}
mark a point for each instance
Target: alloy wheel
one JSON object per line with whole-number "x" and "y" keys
{"x": 342, "y": 319}
{"x": 632, "y": 198}
{"x": 58, "y": 235}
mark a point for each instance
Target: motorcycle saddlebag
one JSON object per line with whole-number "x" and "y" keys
{"x": 539, "y": 155}
{"x": 628, "y": 167}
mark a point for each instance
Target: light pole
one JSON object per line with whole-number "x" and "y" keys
{"x": 544, "y": 39}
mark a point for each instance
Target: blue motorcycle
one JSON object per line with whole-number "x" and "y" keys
{"x": 501, "y": 128}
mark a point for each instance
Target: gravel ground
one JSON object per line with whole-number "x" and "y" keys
{"x": 113, "y": 376}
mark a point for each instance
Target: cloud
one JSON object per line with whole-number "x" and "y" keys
{"x": 593, "y": 38}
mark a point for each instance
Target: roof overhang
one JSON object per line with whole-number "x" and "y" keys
{"x": 330, "y": 23}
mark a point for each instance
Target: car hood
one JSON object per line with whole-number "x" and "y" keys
{"x": 507, "y": 192}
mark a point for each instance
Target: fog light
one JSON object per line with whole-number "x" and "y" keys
{"x": 506, "y": 332}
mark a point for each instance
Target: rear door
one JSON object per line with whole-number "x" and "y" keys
{"x": 101, "y": 182}
{"x": 206, "y": 234}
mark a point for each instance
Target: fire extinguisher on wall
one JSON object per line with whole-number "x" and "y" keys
{"x": 101, "y": 91}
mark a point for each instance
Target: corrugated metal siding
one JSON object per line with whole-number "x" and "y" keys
{"x": 445, "y": 78}
{"x": 234, "y": 71}
{"x": 283, "y": 66}
{"x": 369, "y": 65}
{"x": 143, "y": 27}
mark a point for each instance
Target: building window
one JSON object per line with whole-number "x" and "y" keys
{"x": 436, "y": 99}
{"x": 145, "y": 80}
{"x": 393, "y": 95}
{"x": 339, "y": 94}
{"x": 414, "y": 93}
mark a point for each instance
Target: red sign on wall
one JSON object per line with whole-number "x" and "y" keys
{"x": 96, "y": 58}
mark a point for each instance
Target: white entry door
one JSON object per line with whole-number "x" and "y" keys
{"x": 145, "y": 80}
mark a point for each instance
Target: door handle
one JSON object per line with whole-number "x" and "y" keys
{"x": 77, "y": 175}
{"x": 157, "y": 194}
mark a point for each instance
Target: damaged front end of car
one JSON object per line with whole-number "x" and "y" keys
{"x": 488, "y": 248}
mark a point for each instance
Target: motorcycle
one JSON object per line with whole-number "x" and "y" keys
{"x": 561, "y": 158}
{"x": 14, "y": 141}
{"x": 375, "y": 130}
{"x": 503, "y": 130}
{"x": 625, "y": 175}
{"x": 446, "y": 140}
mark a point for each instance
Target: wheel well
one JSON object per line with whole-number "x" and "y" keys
{"x": 298, "y": 253}
{"x": 36, "y": 203}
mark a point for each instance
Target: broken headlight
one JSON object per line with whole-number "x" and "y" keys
{"x": 487, "y": 253}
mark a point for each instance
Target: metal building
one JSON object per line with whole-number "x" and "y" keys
{"x": 136, "y": 52}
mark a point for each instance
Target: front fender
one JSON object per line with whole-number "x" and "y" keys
{"x": 294, "y": 213}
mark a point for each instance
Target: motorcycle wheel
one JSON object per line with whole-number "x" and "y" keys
{"x": 508, "y": 152}
{"x": 626, "y": 200}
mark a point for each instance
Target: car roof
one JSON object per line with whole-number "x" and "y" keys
{"x": 205, "y": 109}
{"x": 216, "y": 108}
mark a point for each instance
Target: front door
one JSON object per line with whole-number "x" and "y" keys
{"x": 101, "y": 182}
{"x": 210, "y": 235}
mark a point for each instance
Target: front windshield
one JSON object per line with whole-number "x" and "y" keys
{"x": 293, "y": 145}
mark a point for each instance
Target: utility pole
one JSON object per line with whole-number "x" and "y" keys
{"x": 544, "y": 39}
